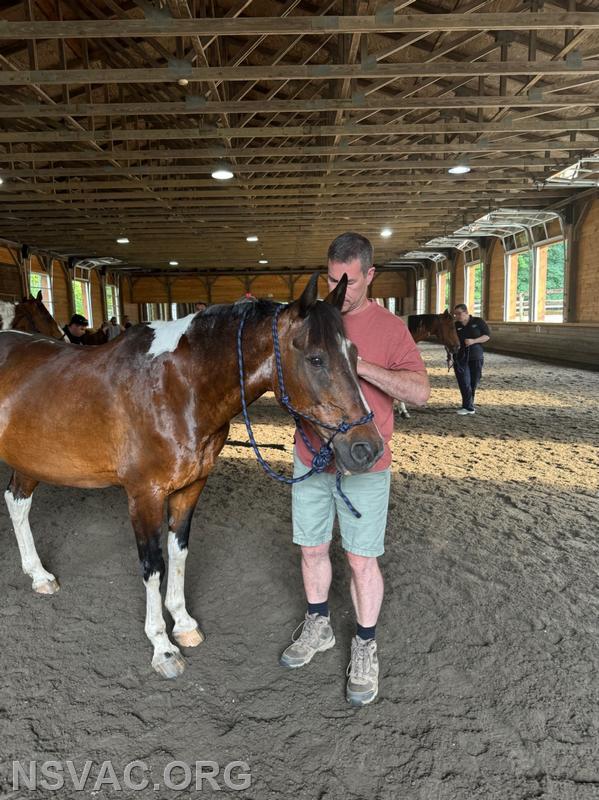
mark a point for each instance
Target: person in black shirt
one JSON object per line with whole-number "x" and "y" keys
{"x": 76, "y": 328}
{"x": 473, "y": 332}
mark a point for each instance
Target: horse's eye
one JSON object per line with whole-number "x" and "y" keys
{"x": 315, "y": 361}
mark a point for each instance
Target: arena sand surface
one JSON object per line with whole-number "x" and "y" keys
{"x": 489, "y": 636}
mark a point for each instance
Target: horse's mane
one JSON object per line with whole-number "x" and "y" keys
{"x": 415, "y": 321}
{"x": 324, "y": 320}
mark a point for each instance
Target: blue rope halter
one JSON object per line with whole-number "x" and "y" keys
{"x": 320, "y": 458}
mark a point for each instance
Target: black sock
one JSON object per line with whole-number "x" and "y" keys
{"x": 319, "y": 608}
{"x": 365, "y": 633}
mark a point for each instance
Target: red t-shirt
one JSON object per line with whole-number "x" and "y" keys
{"x": 383, "y": 339}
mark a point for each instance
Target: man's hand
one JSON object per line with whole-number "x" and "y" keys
{"x": 400, "y": 384}
{"x": 481, "y": 340}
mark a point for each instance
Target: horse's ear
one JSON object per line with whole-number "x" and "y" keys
{"x": 309, "y": 296}
{"x": 447, "y": 314}
{"x": 39, "y": 296}
{"x": 337, "y": 296}
{"x": 31, "y": 297}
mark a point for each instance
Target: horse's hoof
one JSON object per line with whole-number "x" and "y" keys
{"x": 169, "y": 665}
{"x": 46, "y": 587}
{"x": 189, "y": 638}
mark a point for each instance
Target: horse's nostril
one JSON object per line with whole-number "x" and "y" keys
{"x": 361, "y": 452}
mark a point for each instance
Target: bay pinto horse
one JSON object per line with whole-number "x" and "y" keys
{"x": 29, "y": 316}
{"x": 442, "y": 327}
{"x": 152, "y": 414}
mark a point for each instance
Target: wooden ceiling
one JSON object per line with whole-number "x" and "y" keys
{"x": 333, "y": 116}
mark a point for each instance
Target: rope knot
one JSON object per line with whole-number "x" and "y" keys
{"x": 322, "y": 459}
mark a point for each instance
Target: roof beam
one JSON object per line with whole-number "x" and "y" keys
{"x": 164, "y": 26}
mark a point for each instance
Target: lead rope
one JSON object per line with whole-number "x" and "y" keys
{"x": 320, "y": 458}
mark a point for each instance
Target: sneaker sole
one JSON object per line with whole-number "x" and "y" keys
{"x": 357, "y": 700}
{"x": 322, "y": 649}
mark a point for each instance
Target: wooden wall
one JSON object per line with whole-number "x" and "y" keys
{"x": 96, "y": 298}
{"x": 495, "y": 269}
{"x": 60, "y": 294}
{"x": 572, "y": 343}
{"x": 10, "y": 281}
{"x": 587, "y": 305}
{"x": 459, "y": 281}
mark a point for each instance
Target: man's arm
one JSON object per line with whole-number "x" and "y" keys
{"x": 400, "y": 384}
{"x": 481, "y": 340}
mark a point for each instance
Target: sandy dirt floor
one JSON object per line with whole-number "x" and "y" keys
{"x": 489, "y": 636}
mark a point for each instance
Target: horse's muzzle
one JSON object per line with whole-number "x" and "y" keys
{"x": 358, "y": 455}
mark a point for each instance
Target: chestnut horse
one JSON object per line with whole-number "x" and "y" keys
{"x": 442, "y": 327}
{"x": 29, "y": 316}
{"x": 152, "y": 414}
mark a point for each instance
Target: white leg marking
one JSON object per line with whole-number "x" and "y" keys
{"x": 403, "y": 411}
{"x": 167, "y": 659}
{"x": 186, "y": 630}
{"x": 43, "y": 582}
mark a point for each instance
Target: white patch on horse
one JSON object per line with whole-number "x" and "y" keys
{"x": 7, "y": 314}
{"x": 18, "y": 508}
{"x": 24, "y": 333}
{"x": 186, "y": 628}
{"x": 168, "y": 334}
{"x": 345, "y": 346}
{"x": 165, "y": 652}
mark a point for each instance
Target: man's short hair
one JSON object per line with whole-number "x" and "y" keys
{"x": 78, "y": 319}
{"x": 348, "y": 246}
{"x": 461, "y": 307}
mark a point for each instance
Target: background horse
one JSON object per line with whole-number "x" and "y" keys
{"x": 442, "y": 327}
{"x": 151, "y": 413}
{"x": 30, "y": 316}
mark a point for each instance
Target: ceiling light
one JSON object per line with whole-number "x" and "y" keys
{"x": 1, "y": 181}
{"x": 263, "y": 261}
{"x": 173, "y": 263}
{"x": 459, "y": 169}
{"x": 122, "y": 240}
{"x": 251, "y": 238}
{"x": 386, "y": 233}
{"x": 183, "y": 82}
{"x": 222, "y": 173}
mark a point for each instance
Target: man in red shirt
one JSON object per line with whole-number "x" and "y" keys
{"x": 390, "y": 368}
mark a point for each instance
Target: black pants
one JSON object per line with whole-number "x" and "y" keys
{"x": 468, "y": 374}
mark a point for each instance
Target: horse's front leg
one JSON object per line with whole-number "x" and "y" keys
{"x": 146, "y": 516}
{"x": 181, "y": 506}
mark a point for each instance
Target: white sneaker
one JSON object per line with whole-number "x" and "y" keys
{"x": 463, "y": 411}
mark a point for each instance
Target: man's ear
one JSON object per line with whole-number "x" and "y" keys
{"x": 337, "y": 296}
{"x": 309, "y": 296}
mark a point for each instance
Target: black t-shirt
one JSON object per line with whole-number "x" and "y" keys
{"x": 71, "y": 337}
{"x": 473, "y": 329}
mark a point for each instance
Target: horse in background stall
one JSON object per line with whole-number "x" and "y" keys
{"x": 152, "y": 414}
{"x": 29, "y": 316}
{"x": 442, "y": 327}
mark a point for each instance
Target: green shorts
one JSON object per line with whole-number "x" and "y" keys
{"x": 315, "y": 501}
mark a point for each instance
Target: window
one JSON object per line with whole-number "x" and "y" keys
{"x": 550, "y": 271}
{"x": 391, "y": 305}
{"x": 473, "y": 296}
{"x": 40, "y": 282}
{"x": 421, "y": 296}
{"x": 443, "y": 291}
{"x": 112, "y": 301}
{"x": 519, "y": 271}
{"x": 82, "y": 293}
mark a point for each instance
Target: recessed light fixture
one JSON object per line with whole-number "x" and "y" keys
{"x": 122, "y": 240}
{"x": 251, "y": 238}
{"x": 222, "y": 173}
{"x": 386, "y": 233}
{"x": 263, "y": 261}
{"x": 183, "y": 82}
{"x": 459, "y": 169}
{"x": 173, "y": 263}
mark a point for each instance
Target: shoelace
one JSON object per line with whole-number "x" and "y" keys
{"x": 309, "y": 632}
{"x": 360, "y": 662}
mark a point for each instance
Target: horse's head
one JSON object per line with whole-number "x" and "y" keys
{"x": 447, "y": 333}
{"x": 319, "y": 370}
{"x": 32, "y": 316}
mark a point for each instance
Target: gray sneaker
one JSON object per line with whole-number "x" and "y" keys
{"x": 362, "y": 672}
{"x": 316, "y": 637}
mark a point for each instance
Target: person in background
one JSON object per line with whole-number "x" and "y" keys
{"x": 468, "y": 363}
{"x": 200, "y": 306}
{"x": 127, "y": 323}
{"x": 76, "y": 328}
{"x": 113, "y": 329}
